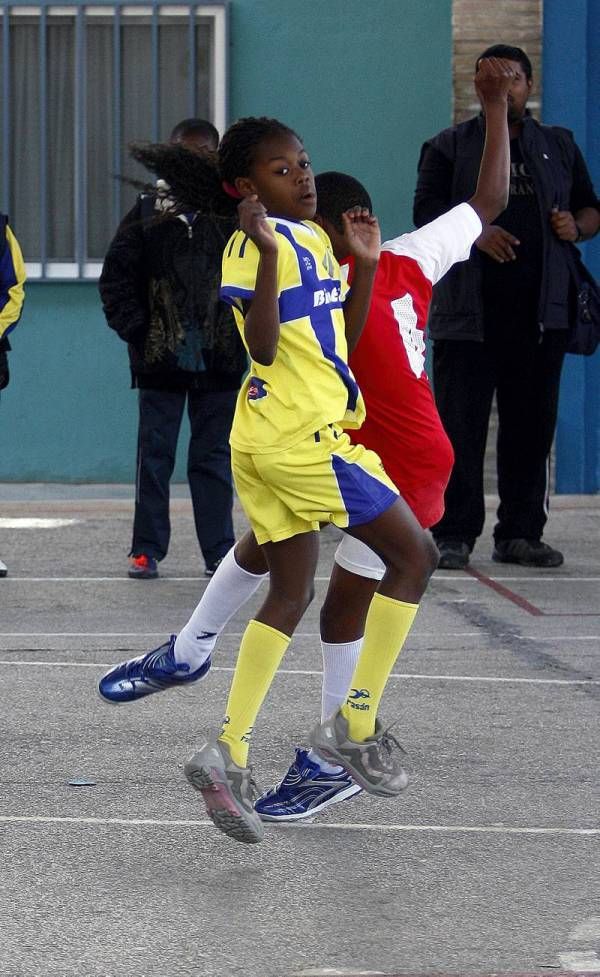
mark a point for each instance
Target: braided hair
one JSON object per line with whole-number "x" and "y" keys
{"x": 196, "y": 180}
{"x": 237, "y": 149}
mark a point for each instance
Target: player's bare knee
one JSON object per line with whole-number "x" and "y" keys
{"x": 295, "y": 602}
{"x": 427, "y": 558}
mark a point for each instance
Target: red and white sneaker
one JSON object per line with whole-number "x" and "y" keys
{"x": 142, "y": 567}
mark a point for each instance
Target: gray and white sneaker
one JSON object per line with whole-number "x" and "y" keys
{"x": 228, "y": 791}
{"x": 371, "y": 764}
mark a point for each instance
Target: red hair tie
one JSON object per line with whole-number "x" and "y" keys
{"x": 231, "y": 191}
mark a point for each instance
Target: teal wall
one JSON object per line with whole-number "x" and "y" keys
{"x": 67, "y": 413}
{"x": 363, "y": 81}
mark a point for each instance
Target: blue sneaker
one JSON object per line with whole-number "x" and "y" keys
{"x": 304, "y": 791}
{"x": 152, "y": 672}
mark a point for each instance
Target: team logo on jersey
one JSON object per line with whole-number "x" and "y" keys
{"x": 355, "y": 694}
{"x": 256, "y": 389}
{"x": 307, "y": 262}
{"x": 325, "y": 296}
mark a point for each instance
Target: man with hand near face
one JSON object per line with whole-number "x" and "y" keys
{"x": 500, "y": 321}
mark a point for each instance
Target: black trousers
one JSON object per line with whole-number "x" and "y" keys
{"x": 525, "y": 374}
{"x": 208, "y": 469}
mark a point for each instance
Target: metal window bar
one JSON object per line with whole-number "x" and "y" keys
{"x": 216, "y": 10}
{"x": 80, "y": 143}
{"x": 6, "y": 172}
{"x": 117, "y": 128}
{"x": 43, "y": 55}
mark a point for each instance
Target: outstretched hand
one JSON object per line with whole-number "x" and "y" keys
{"x": 361, "y": 234}
{"x": 253, "y": 222}
{"x": 493, "y": 79}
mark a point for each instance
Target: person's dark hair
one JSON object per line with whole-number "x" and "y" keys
{"x": 194, "y": 180}
{"x": 195, "y": 127}
{"x": 337, "y": 192}
{"x": 510, "y": 53}
{"x": 238, "y": 146}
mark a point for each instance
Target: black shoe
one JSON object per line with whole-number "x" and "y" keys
{"x": 212, "y": 567}
{"x": 454, "y": 555}
{"x": 527, "y": 552}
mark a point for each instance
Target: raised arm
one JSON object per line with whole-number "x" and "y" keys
{"x": 492, "y": 82}
{"x": 363, "y": 241}
{"x": 261, "y": 319}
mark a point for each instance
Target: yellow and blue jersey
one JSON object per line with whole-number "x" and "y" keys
{"x": 12, "y": 279}
{"x": 309, "y": 384}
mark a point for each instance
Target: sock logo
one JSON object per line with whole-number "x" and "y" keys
{"x": 202, "y": 635}
{"x": 355, "y": 694}
{"x": 246, "y": 737}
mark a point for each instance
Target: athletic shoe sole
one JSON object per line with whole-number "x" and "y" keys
{"x": 221, "y": 806}
{"x": 342, "y": 796}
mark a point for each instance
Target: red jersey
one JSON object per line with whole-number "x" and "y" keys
{"x": 402, "y": 423}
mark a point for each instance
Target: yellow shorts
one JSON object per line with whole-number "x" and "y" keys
{"x": 324, "y": 478}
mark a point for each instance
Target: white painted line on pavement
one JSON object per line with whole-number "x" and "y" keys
{"x": 307, "y": 671}
{"x": 27, "y": 523}
{"x": 423, "y": 635}
{"x": 161, "y": 634}
{"x": 334, "y": 972}
{"x": 501, "y": 829}
{"x": 115, "y": 579}
{"x": 580, "y": 961}
{"x": 588, "y": 929}
{"x": 460, "y": 579}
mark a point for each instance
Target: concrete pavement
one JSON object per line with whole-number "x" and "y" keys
{"x": 489, "y": 863}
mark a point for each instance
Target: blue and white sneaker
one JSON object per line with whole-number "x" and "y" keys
{"x": 304, "y": 791}
{"x": 152, "y": 672}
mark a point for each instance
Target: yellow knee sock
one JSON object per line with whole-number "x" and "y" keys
{"x": 259, "y": 657}
{"x": 388, "y": 623}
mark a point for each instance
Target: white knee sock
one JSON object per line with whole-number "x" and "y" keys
{"x": 339, "y": 661}
{"x": 228, "y": 590}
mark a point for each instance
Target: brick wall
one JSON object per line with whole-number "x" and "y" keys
{"x": 476, "y": 24}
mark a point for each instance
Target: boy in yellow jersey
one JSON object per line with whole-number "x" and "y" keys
{"x": 295, "y": 468}
{"x": 287, "y": 492}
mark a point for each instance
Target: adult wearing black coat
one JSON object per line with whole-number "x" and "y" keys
{"x": 499, "y": 322}
{"x": 160, "y": 292}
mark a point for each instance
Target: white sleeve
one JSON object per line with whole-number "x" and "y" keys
{"x": 441, "y": 243}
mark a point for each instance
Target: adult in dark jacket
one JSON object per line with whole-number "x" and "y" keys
{"x": 159, "y": 288}
{"x": 499, "y": 322}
